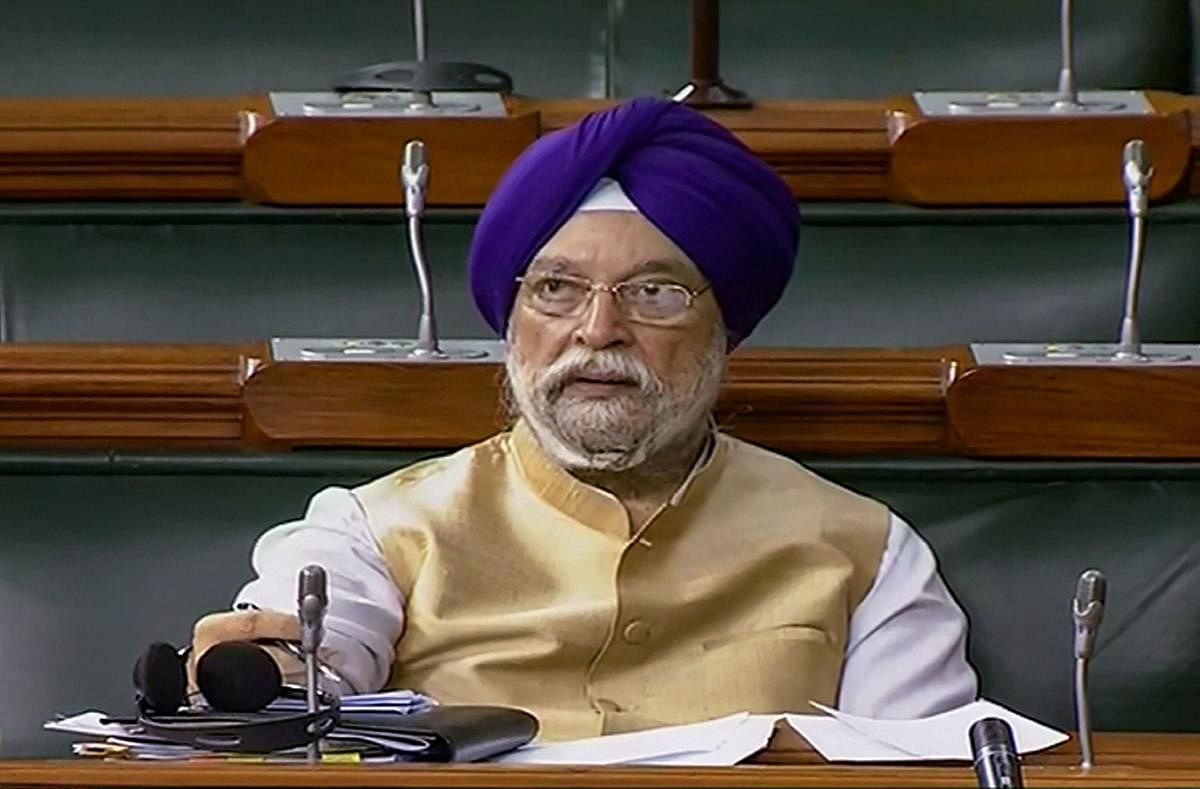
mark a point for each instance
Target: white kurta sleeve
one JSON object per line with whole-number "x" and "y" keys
{"x": 906, "y": 652}
{"x": 366, "y": 610}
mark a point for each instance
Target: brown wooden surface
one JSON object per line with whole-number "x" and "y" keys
{"x": 841, "y": 402}
{"x": 824, "y": 150}
{"x": 355, "y": 161}
{"x": 838, "y": 402}
{"x": 1029, "y": 161}
{"x": 1149, "y": 760}
{"x": 121, "y": 148}
{"x": 121, "y": 395}
{"x": 1093, "y": 412}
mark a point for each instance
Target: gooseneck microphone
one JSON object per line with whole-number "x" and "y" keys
{"x": 1136, "y": 173}
{"x": 414, "y": 173}
{"x": 312, "y": 600}
{"x": 1087, "y": 609}
{"x": 997, "y": 762}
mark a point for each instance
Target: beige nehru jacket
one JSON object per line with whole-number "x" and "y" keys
{"x": 525, "y": 587}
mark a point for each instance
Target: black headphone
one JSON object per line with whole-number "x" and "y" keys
{"x": 238, "y": 679}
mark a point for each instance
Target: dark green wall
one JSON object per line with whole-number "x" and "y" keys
{"x": 874, "y": 275}
{"x": 847, "y": 48}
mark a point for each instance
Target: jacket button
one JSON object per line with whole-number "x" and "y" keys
{"x": 636, "y": 632}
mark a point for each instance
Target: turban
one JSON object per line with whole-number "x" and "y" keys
{"x": 686, "y": 174}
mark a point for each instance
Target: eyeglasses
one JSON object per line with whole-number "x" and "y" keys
{"x": 652, "y": 301}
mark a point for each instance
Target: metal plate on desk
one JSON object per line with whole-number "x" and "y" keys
{"x": 381, "y": 350}
{"x": 386, "y": 104}
{"x": 1084, "y": 355}
{"x": 1030, "y": 104}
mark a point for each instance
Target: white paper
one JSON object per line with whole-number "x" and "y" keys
{"x": 837, "y": 742}
{"x": 88, "y": 723}
{"x": 937, "y": 738}
{"x": 639, "y": 746}
{"x": 751, "y": 736}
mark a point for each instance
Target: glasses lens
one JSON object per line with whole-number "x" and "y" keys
{"x": 654, "y": 301}
{"x": 557, "y": 295}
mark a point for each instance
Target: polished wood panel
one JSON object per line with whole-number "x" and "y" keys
{"x": 1122, "y": 760}
{"x": 1095, "y": 412}
{"x": 838, "y": 402}
{"x": 1028, "y": 161}
{"x": 824, "y": 150}
{"x": 355, "y": 161}
{"x": 130, "y": 148}
{"x": 841, "y": 402}
{"x": 122, "y": 395}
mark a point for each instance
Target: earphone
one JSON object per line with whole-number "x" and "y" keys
{"x": 238, "y": 679}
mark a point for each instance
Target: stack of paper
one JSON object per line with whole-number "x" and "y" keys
{"x": 366, "y": 739}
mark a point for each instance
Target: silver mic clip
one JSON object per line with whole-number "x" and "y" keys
{"x": 414, "y": 174}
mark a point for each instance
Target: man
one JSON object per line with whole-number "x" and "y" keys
{"x": 613, "y": 562}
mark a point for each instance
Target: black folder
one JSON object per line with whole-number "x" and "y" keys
{"x": 446, "y": 733}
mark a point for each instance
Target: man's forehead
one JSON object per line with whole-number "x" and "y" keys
{"x": 612, "y": 245}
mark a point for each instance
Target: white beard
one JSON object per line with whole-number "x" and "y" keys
{"x": 616, "y": 433}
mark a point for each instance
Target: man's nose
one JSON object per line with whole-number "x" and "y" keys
{"x": 602, "y": 325}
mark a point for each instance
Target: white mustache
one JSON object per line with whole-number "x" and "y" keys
{"x": 578, "y": 362}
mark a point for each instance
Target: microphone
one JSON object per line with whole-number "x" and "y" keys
{"x": 1136, "y": 173}
{"x": 238, "y": 676}
{"x": 312, "y": 599}
{"x": 997, "y": 763}
{"x": 414, "y": 173}
{"x": 1088, "y": 610}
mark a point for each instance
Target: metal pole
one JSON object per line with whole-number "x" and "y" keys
{"x": 705, "y": 32}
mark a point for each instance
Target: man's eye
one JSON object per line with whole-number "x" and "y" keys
{"x": 657, "y": 293}
{"x": 555, "y": 288}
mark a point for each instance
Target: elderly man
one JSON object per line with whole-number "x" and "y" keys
{"x": 613, "y": 562}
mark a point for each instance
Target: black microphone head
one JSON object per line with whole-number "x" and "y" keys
{"x": 237, "y": 676}
{"x": 160, "y": 677}
{"x": 993, "y": 732}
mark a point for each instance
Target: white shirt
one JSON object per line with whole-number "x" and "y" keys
{"x": 905, "y": 654}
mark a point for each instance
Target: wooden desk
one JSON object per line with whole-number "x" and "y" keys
{"x": 1150, "y": 760}
{"x": 842, "y": 402}
{"x": 156, "y": 149}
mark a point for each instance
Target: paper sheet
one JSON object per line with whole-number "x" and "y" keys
{"x": 696, "y": 738}
{"x": 837, "y": 742}
{"x": 937, "y": 738}
{"x": 751, "y": 736}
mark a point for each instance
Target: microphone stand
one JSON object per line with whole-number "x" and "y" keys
{"x": 422, "y": 76}
{"x": 706, "y": 88}
{"x": 1087, "y": 609}
{"x": 1068, "y": 95}
{"x": 1136, "y": 175}
{"x": 312, "y": 602}
{"x": 414, "y": 173}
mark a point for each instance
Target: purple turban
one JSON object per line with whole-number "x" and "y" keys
{"x": 687, "y": 174}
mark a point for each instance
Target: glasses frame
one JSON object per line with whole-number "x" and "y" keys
{"x": 615, "y": 289}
